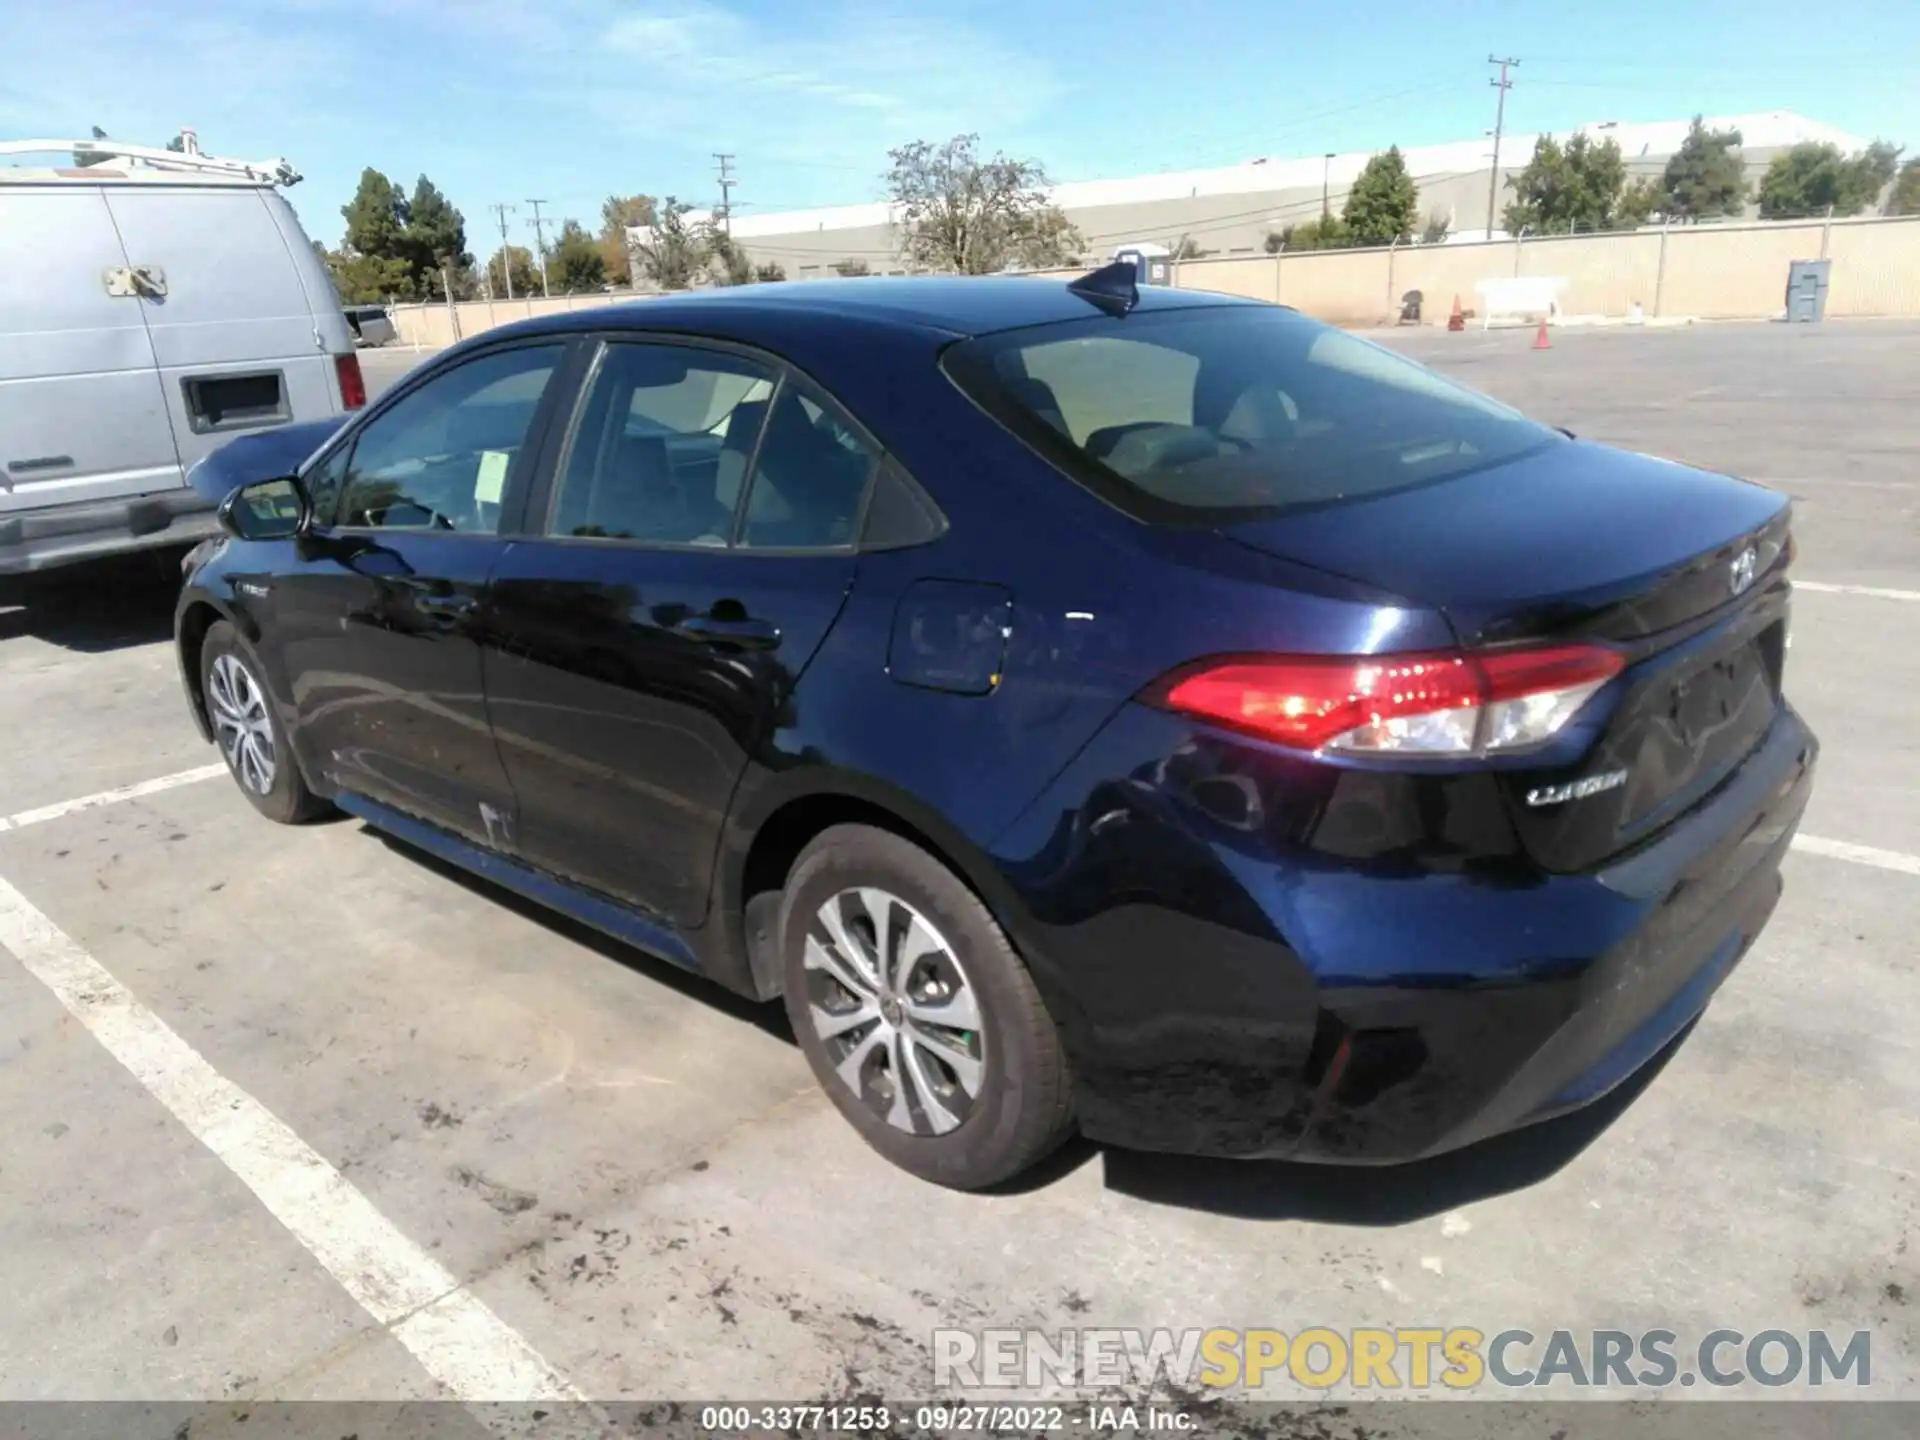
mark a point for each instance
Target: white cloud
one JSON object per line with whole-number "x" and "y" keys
{"x": 833, "y": 87}
{"x": 571, "y": 99}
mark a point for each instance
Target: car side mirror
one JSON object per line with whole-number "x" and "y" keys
{"x": 276, "y": 509}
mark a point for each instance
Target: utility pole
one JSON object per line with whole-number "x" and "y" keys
{"x": 1326, "y": 204}
{"x": 502, "y": 209}
{"x": 1503, "y": 84}
{"x": 727, "y": 182}
{"x": 540, "y": 241}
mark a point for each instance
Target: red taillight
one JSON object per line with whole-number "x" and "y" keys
{"x": 1448, "y": 703}
{"x": 353, "y": 388}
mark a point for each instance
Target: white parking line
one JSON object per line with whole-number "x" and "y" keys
{"x": 110, "y": 797}
{"x": 452, "y": 1333}
{"x": 1868, "y": 590}
{"x": 1858, "y": 854}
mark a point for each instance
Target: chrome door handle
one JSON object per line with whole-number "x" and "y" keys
{"x": 738, "y": 634}
{"x": 446, "y": 607}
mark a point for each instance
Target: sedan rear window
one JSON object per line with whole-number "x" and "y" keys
{"x": 1220, "y": 413}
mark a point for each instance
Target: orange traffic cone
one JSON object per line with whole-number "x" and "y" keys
{"x": 1540, "y": 341}
{"x": 1457, "y": 320}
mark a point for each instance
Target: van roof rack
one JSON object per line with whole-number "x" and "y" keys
{"x": 141, "y": 162}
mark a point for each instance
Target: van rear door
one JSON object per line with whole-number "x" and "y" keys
{"x": 82, "y": 413}
{"x": 238, "y": 347}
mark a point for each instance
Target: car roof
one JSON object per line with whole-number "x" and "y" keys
{"x": 953, "y": 306}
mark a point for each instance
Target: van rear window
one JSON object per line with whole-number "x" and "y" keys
{"x": 234, "y": 402}
{"x": 1220, "y": 413}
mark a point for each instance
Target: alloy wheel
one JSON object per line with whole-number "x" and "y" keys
{"x": 895, "y": 1010}
{"x": 241, "y": 723}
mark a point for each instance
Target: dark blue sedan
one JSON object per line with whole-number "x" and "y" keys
{"x": 1142, "y": 711}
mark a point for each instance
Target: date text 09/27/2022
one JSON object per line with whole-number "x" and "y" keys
{"x": 1024, "y": 1419}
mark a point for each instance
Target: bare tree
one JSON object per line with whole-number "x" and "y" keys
{"x": 957, "y": 211}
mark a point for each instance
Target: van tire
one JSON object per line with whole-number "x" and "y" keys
{"x": 1021, "y": 1106}
{"x": 238, "y": 704}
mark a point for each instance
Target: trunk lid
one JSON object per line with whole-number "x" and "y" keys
{"x": 1681, "y": 569}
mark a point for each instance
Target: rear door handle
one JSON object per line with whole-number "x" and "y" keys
{"x": 739, "y": 634}
{"x": 446, "y": 607}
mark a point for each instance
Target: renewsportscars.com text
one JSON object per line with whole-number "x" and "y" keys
{"x": 1403, "y": 1358}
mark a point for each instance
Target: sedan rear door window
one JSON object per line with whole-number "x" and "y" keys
{"x": 809, "y": 477}
{"x": 662, "y": 446}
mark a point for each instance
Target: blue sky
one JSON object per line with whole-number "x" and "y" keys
{"x": 571, "y": 100}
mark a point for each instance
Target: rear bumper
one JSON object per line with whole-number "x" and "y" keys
{"x": 63, "y": 535}
{"x": 1712, "y": 882}
{"x": 1232, "y": 995}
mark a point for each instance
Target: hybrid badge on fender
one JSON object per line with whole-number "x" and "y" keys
{"x": 1576, "y": 789}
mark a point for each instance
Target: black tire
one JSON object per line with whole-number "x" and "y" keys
{"x": 1022, "y": 1105}
{"x": 286, "y": 799}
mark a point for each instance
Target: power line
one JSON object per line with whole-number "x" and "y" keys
{"x": 502, "y": 209}
{"x": 540, "y": 240}
{"x": 727, "y": 182}
{"x": 1503, "y": 84}
{"x": 1305, "y": 120}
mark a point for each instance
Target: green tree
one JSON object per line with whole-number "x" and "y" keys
{"x": 1812, "y": 177}
{"x": 1570, "y": 188}
{"x": 672, "y": 254}
{"x": 1705, "y": 177}
{"x": 727, "y": 263}
{"x": 619, "y": 214}
{"x": 958, "y": 211}
{"x": 1640, "y": 202}
{"x": 1052, "y": 241}
{"x": 574, "y": 262}
{"x": 178, "y": 144}
{"x": 770, "y": 273}
{"x": 364, "y": 279}
{"x": 1905, "y": 199}
{"x": 374, "y": 261}
{"x": 1187, "y": 248}
{"x": 851, "y": 268}
{"x": 1328, "y": 233}
{"x": 376, "y": 218}
{"x": 1436, "y": 228}
{"x": 1384, "y": 204}
{"x": 1880, "y": 160}
{"x": 434, "y": 236}
{"x": 515, "y": 261}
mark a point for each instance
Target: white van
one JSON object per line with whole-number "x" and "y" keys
{"x": 371, "y": 324}
{"x": 153, "y": 304}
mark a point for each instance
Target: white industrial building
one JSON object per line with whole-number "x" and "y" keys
{"x": 1231, "y": 210}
